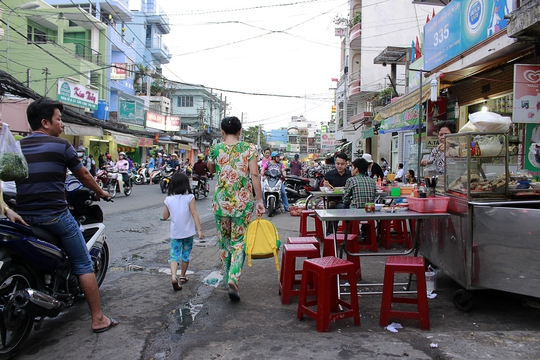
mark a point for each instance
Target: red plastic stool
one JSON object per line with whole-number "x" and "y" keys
{"x": 371, "y": 237}
{"x": 352, "y": 246}
{"x": 304, "y": 216}
{"x": 305, "y": 240}
{"x": 355, "y": 227}
{"x": 404, "y": 265}
{"x": 287, "y": 277}
{"x": 322, "y": 272}
{"x": 401, "y": 235}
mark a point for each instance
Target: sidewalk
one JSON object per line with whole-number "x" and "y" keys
{"x": 500, "y": 326}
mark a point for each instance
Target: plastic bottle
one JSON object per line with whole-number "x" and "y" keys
{"x": 415, "y": 191}
{"x": 422, "y": 191}
{"x": 477, "y": 150}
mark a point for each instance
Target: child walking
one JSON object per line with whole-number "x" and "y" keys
{"x": 180, "y": 207}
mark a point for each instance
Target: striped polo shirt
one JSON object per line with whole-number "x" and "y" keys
{"x": 48, "y": 157}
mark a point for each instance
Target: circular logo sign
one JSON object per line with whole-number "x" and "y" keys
{"x": 475, "y": 15}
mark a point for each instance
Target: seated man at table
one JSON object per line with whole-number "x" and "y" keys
{"x": 337, "y": 178}
{"x": 360, "y": 188}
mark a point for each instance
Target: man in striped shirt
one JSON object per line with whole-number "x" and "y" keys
{"x": 41, "y": 198}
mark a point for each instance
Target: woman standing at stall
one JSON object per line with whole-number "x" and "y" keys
{"x": 437, "y": 154}
{"x": 235, "y": 162}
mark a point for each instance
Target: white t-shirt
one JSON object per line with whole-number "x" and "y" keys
{"x": 182, "y": 223}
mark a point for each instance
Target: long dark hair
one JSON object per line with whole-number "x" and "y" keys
{"x": 179, "y": 185}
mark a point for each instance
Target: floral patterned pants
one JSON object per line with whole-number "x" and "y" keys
{"x": 230, "y": 232}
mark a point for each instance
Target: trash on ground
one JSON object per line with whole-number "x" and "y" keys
{"x": 433, "y": 345}
{"x": 213, "y": 279}
{"x": 393, "y": 327}
{"x": 431, "y": 295}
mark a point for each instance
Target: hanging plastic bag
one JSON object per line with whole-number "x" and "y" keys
{"x": 13, "y": 164}
{"x": 487, "y": 121}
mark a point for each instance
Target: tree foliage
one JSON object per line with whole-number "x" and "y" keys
{"x": 250, "y": 135}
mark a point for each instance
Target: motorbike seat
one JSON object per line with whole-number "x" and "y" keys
{"x": 295, "y": 177}
{"x": 46, "y": 236}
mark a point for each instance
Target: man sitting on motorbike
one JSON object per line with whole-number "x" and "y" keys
{"x": 41, "y": 198}
{"x": 123, "y": 168}
{"x": 275, "y": 163}
{"x": 200, "y": 168}
{"x": 174, "y": 163}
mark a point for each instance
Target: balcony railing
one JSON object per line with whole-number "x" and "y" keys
{"x": 88, "y": 53}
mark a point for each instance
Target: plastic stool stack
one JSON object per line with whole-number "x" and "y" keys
{"x": 305, "y": 240}
{"x": 322, "y": 273}
{"x": 352, "y": 246}
{"x": 404, "y": 265}
{"x": 288, "y": 279}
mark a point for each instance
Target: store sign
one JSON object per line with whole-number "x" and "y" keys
{"x": 78, "y": 95}
{"x": 459, "y": 26}
{"x": 131, "y": 112}
{"x": 172, "y": 123}
{"x": 328, "y": 142}
{"x": 403, "y": 121}
{"x": 526, "y": 108}
{"x": 155, "y": 121}
{"x": 118, "y": 71}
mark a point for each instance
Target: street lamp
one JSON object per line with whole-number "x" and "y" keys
{"x": 27, "y": 6}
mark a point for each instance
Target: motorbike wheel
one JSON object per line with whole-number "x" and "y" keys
{"x": 138, "y": 179}
{"x": 112, "y": 190}
{"x": 196, "y": 192}
{"x": 100, "y": 183}
{"x": 15, "y": 324}
{"x": 101, "y": 264}
{"x": 128, "y": 192}
{"x": 163, "y": 185}
{"x": 271, "y": 207}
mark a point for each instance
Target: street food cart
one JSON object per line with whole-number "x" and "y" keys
{"x": 491, "y": 239}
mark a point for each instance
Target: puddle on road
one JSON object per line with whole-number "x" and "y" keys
{"x": 184, "y": 318}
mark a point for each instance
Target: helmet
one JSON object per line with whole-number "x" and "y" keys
{"x": 122, "y": 153}
{"x": 81, "y": 148}
{"x": 174, "y": 154}
{"x": 109, "y": 156}
{"x": 274, "y": 153}
{"x": 200, "y": 156}
{"x": 159, "y": 154}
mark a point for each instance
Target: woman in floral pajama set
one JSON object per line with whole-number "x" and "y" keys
{"x": 234, "y": 162}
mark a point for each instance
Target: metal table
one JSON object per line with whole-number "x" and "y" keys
{"x": 323, "y": 195}
{"x": 347, "y": 215}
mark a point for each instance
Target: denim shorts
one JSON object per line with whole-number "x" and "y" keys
{"x": 64, "y": 226}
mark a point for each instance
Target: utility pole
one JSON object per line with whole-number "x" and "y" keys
{"x": 47, "y": 73}
{"x": 259, "y": 138}
{"x": 28, "y": 78}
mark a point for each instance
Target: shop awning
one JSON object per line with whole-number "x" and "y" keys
{"x": 82, "y": 130}
{"x": 124, "y": 139}
{"x": 404, "y": 103}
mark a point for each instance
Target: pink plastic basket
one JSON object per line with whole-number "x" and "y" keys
{"x": 438, "y": 204}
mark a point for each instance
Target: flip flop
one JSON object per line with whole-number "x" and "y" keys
{"x": 183, "y": 279}
{"x": 234, "y": 295}
{"x": 176, "y": 286}
{"x": 112, "y": 324}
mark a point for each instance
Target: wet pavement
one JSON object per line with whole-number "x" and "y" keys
{"x": 199, "y": 322}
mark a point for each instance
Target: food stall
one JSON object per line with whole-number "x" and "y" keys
{"x": 490, "y": 240}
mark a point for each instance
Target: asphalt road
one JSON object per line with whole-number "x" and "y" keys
{"x": 200, "y": 322}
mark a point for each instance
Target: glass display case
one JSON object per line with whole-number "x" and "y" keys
{"x": 476, "y": 165}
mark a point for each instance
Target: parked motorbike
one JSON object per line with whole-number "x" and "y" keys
{"x": 166, "y": 174}
{"x": 297, "y": 187}
{"x": 36, "y": 279}
{"x": 199, "y": 186}
{"x": 118, "y": 185}
{"x": 272, "y": 191}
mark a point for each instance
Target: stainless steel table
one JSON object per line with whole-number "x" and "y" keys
{"x": 347, "y": 215}
{"x": 324, "y": 195}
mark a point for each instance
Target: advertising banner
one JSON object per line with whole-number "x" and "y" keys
{"x": 404, "y": 121}
{"x": 155, "y": 121}
{"x": 131, "y": 112}
{"x": 526, "y": 108}
{"x": 460, "y": 25}
{"x": 172, "y": 123}
{"x": 118, "y": 71}
{"x": 78, "y": 95}
{"x": 328, "y": 142}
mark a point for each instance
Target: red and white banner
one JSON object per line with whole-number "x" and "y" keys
{"x": 526, "y": 107}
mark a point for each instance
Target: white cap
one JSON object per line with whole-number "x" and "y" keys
{"x": 367, "y": 157}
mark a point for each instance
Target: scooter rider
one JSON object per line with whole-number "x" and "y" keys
{"x": 200, "y": 168}
{"x": 81, "y": 154}
{"x": 123, "y": 168}
{"x": 174, "y": 163}
{"x": 275, "y": 163}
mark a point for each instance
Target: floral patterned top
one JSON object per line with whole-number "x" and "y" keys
{"x": 233, "y": 195}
